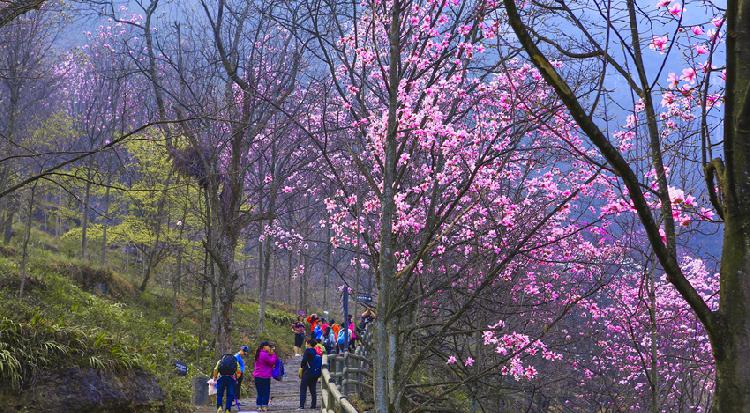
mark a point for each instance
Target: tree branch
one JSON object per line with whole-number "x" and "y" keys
{"x": 621, "y": 167}
{"x": 16, "y": 8}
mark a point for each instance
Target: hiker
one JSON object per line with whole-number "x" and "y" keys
{"x": 239, "y": 356}
{"x": 329, "y": 340}
{"x": 309, "y": 372}
{"x": 265, "y": 361}
{"x": 318, "y": 332}
{"x": 319, "y": 348}
{"x": 335, "y": 327}
{"x": 298, "y": 328}
{"x": 352, "y": 333}
{"x": 341, "y": 340}
{"x": 226, "y": 373}
{"x": 365, "y": 319}
{"x": 313, "y": 321}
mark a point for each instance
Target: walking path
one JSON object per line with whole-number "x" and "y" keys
{"x": 284, "y": 394}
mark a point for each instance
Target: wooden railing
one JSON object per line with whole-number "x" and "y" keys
{"x": 333, "y": 400}
{"x": 343, "y": 375}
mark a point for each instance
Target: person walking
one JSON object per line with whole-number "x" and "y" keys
{"x": 310, "y": 371}
{"x": 312, "y": 320}
{"x": 341, "y": 340}
{"x": 329, "y": 340}
{"x": 352, "y": 334}
{"x": 226, "y": 373}
{"x": 240, "y": 357}
{"x": 265, "y": 361}
{"x": 318, "y": 332}
{"x": 298, "y": 328}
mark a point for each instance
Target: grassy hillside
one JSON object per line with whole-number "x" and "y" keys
{"x": 74, "y": 314}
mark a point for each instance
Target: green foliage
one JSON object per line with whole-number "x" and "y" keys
{"x": 27, "y": 348}
{"x": 62, "y": 323}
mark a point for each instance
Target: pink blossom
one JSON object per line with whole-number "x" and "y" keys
{"x": 688, "y": 74}
{"x": 698, "y": 30}
{"x": 451, "y": 360}
{"x": 659, "y": 43}
{"x": 701, "y": 49}
{"x": 676, "y": 9}
{"x": 673, "y": 80}
{"x": 663, "y": 3}
{"x": 469, "y": 362}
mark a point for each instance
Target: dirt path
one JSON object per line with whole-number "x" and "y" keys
{"x": 284, "y": 394}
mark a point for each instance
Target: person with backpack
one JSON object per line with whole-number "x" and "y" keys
{"x": 239, "y": 356}
{"x": 310, "y": 371}
{"x": 318, "y": 332}
{"x": 329, "y": 340}
{"x": 226, "y": 374}
{"x": 265, "y": 361}
{"x": 319, "y": 348}
{"x": 341, "y": 340}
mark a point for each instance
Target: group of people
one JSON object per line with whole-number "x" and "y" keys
{"x": 334, "y": 337}
{"x": 318, "y": 336}
{"x": 325, "y": 337}
{"x": 230, "y": 370}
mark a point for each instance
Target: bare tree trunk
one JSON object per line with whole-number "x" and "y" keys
{"x": 328, "y": 269}
{"x": 105, "y": 224}
{"x": 386, "y": 341}
{"x": 26, "y": 238}
{"x": 176, "y": 276}
{"x": 263, "y": 288}
{"x": 85, "y": 219}
{"x": 303, "y": 282}
{"x": 8, "y": 226}
{"x": 290, "y": 273}
{"x": 654, "y": 342}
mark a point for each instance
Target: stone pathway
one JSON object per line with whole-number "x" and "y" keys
{"x": 284, "y": 394}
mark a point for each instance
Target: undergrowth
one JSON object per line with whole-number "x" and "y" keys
{"x": 66, "y": 319}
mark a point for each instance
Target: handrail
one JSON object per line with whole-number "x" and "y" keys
{"x": 343, "y": 374}
{"x": 333, "y": 400}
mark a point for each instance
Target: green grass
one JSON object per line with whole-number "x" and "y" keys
{"x": 61, "y": 323}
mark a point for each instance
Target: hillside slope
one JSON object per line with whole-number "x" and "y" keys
{"x": 79, "y": 328}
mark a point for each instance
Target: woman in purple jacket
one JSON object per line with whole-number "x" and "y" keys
{"x": 265, "y": 361}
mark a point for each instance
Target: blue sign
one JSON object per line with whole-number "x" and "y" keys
{"x": 181, "y": 368}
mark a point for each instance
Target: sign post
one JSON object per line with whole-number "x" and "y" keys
{"x": 345, "y": 311}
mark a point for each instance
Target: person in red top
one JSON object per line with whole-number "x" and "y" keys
{"x": 313, "y": 321}
{"x": 335, "y": 327}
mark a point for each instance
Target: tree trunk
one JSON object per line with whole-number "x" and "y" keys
{"x": 226, "y": 279}
{"x": 8, "y": 226}
{"x": 85, "y": 219}
{"x": 328, "y": 269}
{"x": 303, "y": 282}
{"x": 651, "y": 285}
{"x": 386, "y": 340}
{"x": 26, "y": 238}
{"x": 105, "y": 224}
{"x": 263, "y": 288}
{"x": 290, "y": 273}
{"x": 731, "y": 343}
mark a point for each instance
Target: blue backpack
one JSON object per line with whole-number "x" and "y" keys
{"x": 316, "y": 367}
{"x": 278, "y": 370}
{"x": 342, "y": 337}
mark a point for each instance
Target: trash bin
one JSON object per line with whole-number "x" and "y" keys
{"x": 200, "y": 391}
